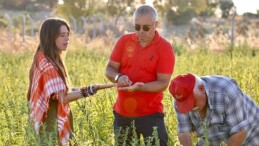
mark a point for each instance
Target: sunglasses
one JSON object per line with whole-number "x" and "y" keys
{"x": 144, "y": 27}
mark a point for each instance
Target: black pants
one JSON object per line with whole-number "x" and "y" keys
{"x": 128, "y": 130}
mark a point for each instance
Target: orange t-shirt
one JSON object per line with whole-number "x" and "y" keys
{"x": 142, "y": 65}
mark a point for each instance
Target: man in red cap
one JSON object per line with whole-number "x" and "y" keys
{"x": 215, "y": 108}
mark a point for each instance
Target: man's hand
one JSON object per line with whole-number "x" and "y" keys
{"x": 132, "y": 88}
{"x": 124, "y": 81}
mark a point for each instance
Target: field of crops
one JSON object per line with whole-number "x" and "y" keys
{"x": 93, "y": 118}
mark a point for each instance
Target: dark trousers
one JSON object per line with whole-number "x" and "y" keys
{"x": 128, "y": 130}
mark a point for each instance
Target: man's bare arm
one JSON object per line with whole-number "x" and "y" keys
{"x": 237, "y": 138}
{"x": 185, "y": 139}
{"x": 112, "y": 68}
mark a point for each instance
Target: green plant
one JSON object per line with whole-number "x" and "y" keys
{"x": 93, "y": 118}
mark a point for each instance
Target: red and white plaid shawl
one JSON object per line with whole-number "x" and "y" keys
{"x": 46, "y": 82}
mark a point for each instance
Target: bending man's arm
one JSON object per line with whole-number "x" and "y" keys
{"x": 237, "y": 138}
{"x": 185, "y": 139}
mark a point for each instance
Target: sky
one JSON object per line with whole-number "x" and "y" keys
{"x": 242, "y": 6}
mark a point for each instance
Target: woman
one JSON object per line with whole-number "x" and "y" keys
{"x": 48, "y": 93}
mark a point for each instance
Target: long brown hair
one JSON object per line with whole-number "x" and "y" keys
{"x": 49, "y": 32}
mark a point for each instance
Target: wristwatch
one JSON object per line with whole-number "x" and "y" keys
{"x": 117, "y": 77}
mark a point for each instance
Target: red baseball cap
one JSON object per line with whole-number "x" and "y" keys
{"x": 181, "y": 88}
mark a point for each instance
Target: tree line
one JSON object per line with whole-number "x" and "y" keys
{"x": 175, "y": 11}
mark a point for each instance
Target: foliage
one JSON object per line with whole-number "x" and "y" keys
{"x": 50, "y": 3}
{"x": 118, "y": 8}
{"x": 27, "y": 4}
{"x": 77, "y": 8}
{"x": 199, "y": 6}
{"x": 3, "y": 23}
{"x": 181, "y": 11}
{"x": 224, "y": 5}
{"x": 14, "y": 4}
{"x": 181, "y": 17}
{"x": 93, "y": 118}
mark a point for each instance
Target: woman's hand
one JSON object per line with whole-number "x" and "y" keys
{"x": 91, "y": 90}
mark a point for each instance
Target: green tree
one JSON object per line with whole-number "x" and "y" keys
{"x": 224, "y": 5}
{"x": 15, "y": 4}
{"x": 118, "y": 8}
{"x": 180, "y": 11}
{"x": 77, "y": 8}
{"x": 50, "y": 3}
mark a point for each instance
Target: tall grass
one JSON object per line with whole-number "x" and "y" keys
{"x": 93, "y": 118}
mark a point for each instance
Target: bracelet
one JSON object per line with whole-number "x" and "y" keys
{"x": 83, "y": 92}
{"x": 91, "y": 90}
{"x": 116, "y": 78}
{"x": 87, "y": 91}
